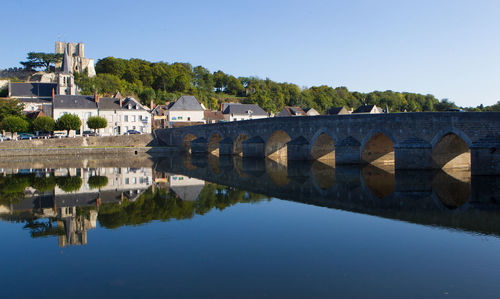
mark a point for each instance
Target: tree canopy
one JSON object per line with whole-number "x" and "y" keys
{"x": 41, "y": 60}
{"x": 162, "y": 82}
{"x": 97, "y": 122}
{"x": 68, "y": 122}
{"x": 14, "y": 124}
{"x": 44, "y": 124}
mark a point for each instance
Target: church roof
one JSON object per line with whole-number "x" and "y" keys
{"x": 65, "y": 68}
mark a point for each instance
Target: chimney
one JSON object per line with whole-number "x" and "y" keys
{"x": 220, "y": 106}
{"x": 53, "y": 94}
{"x": 121, "y": 102}
{"x": 152, "y": 105}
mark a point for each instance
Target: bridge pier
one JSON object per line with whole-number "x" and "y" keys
{"x": 226, "y": 146}
{"x": 413, "y": 153}
{"x": 348, "y": 151}
{"x": 254, "y": 147}
{"x": 485, "y": 156}
{"x": 298, "y": 149}
{"x": 199, "y": 146}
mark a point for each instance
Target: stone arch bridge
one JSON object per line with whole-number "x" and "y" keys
{"x": 426, "y": 140}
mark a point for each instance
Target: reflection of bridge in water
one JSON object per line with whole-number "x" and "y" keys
{"x": 452, "y": 199}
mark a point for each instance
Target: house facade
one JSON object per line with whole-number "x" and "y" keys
{"x": 185, "y": 111}
{"x": 81, "y": 106}
{"x": 368, "y": 109}
{"x": 123, "y": 115}
{"x": 236, "y": 112}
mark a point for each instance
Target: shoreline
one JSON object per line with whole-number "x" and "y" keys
{"x": 77, "y": 151}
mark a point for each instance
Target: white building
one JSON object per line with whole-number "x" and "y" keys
{"x": 236, "y": 111}
{"x": 81, "y": 106}
{"x": 185, "y": 111}
{"x": 123, "y": 115}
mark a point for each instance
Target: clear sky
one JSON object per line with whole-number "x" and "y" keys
{"x": 450, "y": 49}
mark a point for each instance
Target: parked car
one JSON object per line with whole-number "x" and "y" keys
{"x": 89, "y": 133}
{"x": 25, "y": 136}
{"x": 4, "y": 138}
{"x": 43, "y": 135}
{"x": 59, "y": 134}
{"x": 132, "y": 132}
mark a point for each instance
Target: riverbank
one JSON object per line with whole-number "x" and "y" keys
{"x": 108, "y": 145}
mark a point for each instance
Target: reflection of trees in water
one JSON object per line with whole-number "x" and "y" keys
{"x": 69, "y": 183}
{"x": 165, "y": 205}
{"x": 453, "y": 187}
{"x": 380, "y": 181}
{"x": 97, "y": 181}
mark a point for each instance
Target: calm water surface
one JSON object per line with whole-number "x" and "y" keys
{"x": 229, "y": 227}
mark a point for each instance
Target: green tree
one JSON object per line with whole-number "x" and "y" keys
{"x": 40, "y": 59}
{"x": 44, "y": 124}
{"x": 10, "y": 107}
{"x": 68, "y": 122}
{"x": 14, "y": 124}
{"x": 97, "y": 122}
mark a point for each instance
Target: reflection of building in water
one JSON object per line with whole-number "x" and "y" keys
{"x": 69, "y": 215}
{"x": 76, "y": 227}
{"x": 187, "y": 188}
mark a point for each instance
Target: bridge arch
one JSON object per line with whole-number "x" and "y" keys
{"x": 451, "y": 149}
{"x": 213, "y": 142}
{"x": 238, "y": 143}
{"x": 186, "y": 141}
{"x": 323, "y": 146}
{"x": 378, "y": 148}
{"x": 276, "y": 145}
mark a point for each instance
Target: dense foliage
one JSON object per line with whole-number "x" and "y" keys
{"x": 36, "y": 60}
{"x": 44, "y": 124}
{"x": 97, "y": 122}
{"x": 10, "y": 107}
{"x": 161, "y": 82}
{"x": 68, "y": 122}
{"x": 14, "y": 124}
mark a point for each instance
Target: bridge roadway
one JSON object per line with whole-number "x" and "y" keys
{"x": 430, "y": 140}
{"x": 425, "y": 197}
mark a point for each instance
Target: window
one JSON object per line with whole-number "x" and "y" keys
{"x": 125, "y": 118}
{"x": 132, "y": 118}
{"x": 189, "y": 118}
{"x": 127, "y": 181}
{"x": 179, "y": 117}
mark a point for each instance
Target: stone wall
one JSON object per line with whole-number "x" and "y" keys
{"x": 143, "y": 140}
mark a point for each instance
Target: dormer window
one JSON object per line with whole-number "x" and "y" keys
{"x": 129, "y": 106}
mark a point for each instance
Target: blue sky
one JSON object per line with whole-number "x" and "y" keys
{"x": 450, "y": 49}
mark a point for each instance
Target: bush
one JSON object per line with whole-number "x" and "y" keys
{"x": 97, "y": 122}
{"x": 14, "y": 124}
{"x": 44, "y": 124}
{"x": 68, "y": 122}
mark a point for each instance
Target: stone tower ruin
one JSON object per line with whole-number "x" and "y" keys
{"x": 77, "y": 61}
